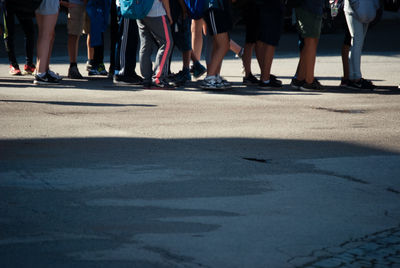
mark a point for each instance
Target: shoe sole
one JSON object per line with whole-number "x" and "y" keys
{"x": 35, "y": 82}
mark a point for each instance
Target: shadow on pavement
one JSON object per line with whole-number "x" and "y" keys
{"x": 58, "y": 194}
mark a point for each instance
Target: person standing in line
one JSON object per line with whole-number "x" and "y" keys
{"x": 155, "y": 29}
{"x": 309, "y": 21}
{"x": 359, "y": 13}
{"x": 125, "y": 52}
{"x": 181, "y": 34}
{"x": 197, "y": 28}
{"x": 270, "y": 25}
{"x": 219, "y": 22}
{"x": 14, "y": 9}
{"x": 46, "y": 17}
{"x": 95, "y": 25}
{"x": 114, "y": 34}
{"x": 76, "y": 15}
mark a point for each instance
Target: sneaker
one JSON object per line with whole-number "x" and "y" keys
{"x": 250, "y": 80}
{"x": 29, "y": 69}
{"x": 344, "y": 82}
{"x": 361, "y": 84}
{"x": 74, "y": 73}
{"x": 54, "y": 75}
{"x": 198, "y": 70}
{"x": 181, "y": 77}
{"x": 212, "y": 83}
{"x": 89, "y": 66}
{"x": 275, "y": 79}
{"x": 102, "y": 69}
{"x": 47, "y": 79}
{"x": 315, "y": 85}
{"x": 98, "y": 70}
{"x": 127, "y": 80}
{"x": 273, "y": 83}
{"x": 14, "y": 70}
{"x": 296, "y": 84}
{"x": 224, "y": 82}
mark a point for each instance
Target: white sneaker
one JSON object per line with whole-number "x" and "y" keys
{"x": 211, "y": 82}
{"x": 224, "y": 82}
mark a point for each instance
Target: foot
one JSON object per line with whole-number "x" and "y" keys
{"x": 14, "y": 70}
{"x": 29, "y": 69}
{"x": 362, "y": 84}
{"x": 296, "y": 83}
{"x": 314, "y": 86}
{"x": 128, "y": 80}
{"x": 74, "y": 73}
{"x": 250, "y": 80}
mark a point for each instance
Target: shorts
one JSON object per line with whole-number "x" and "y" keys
{"x": 251, "y": 21}
{"x": 181, "y": 33}
{"x": 270, "y": 24}
{"x": 48, "y": 7}
{"x": 76, "y": 16}
{"x": 218, "y": 21}
{"x": 86, "y": 23}
{"x": 308, "y": 23}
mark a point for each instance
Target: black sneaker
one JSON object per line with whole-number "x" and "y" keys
{"x": 362, "y": 84}
{"x": 250, "y": 80}
{"x": 314, "y": 86}
{"x": 275, "y": 79}
{"x": 74, "y": 73}
{"x": 47, "y": 79}
{"x": 181, "y": 77}
{"x": 198, "y": 70}
{"x": 272, "y": 84}
{"x": 296, "y": 84}
{"x": 345, "y": 82}
{"x": 129, "y": 80}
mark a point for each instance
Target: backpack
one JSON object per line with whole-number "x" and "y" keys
{"x": 391, "y": 5}
{"x": 196, "y": 8}
{"x": 135, "y": 9}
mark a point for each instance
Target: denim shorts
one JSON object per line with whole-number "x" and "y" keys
{"x": 48, "y": 7}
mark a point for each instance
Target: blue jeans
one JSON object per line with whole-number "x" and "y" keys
{"x": 358, "y": 31}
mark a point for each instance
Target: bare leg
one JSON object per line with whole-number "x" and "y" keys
{"x": 73, "y": 47}
{"x": 307, "y": 60}
{"x": 220, "y": 48}
{"x": 197, "y": 37}
{"x": 345, "y": 61}
{"x": 268, "y": 57}
{"x": 46, "y": 25}
{"x": 90, "y": 50}
{"x": 248, "y": 53}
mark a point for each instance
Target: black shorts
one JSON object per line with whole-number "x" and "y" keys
{"x": 251, "y": 21}
{"x": 270, "y": 23}
{"x": 218, "y": 20}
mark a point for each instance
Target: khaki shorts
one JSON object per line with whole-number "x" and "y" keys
{"x": 75, "y": 19}
{"x": 309, "y": 24}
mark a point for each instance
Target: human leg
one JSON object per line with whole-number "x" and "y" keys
{"x": 46, "y": 25}
{"x": 146, "y": 49}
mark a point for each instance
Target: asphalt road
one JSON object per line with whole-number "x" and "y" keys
{"x": 97, "y": 175}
